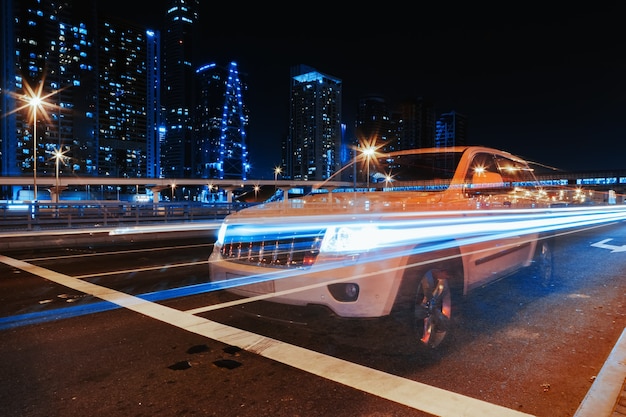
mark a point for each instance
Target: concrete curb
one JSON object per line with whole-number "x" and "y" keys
{"x": 603, "y": 398}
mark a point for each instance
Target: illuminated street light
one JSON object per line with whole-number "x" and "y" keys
{"x": 388, "y": 179}
{"x": 368, "y": 153}
{"x": 256, "y": 192}
{"x": 173, "y": 186}
{"x": 35, "y": 102}
{"x": 210, "y": 195}
{"x": 33, "y": 99}
{"x": 57, "y": 156}
{"x": 277, "y": 170}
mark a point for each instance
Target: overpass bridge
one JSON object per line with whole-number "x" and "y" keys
{"x": 20, "y": 188}
{"x": 203, "y": 189}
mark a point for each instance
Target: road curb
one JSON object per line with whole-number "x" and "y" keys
{"x": 606, "y": 395}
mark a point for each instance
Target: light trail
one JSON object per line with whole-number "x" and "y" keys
{"x": 423, "y": 235}
{"x": 462, "y": 229}
{"x": 196, "y": 289}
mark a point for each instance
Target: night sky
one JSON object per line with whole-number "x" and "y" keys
{"x": 545, "y": 84}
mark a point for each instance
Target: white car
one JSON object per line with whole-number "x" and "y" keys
{"x": 433, "y": 225}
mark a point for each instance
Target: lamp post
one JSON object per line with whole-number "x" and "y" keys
{"x": 277, "y": 170}
{"x": 256, "y": 192}
{"x": 368, "y": 152}
{"x": 57, "y": 155}
{"x": 35, "y": 102}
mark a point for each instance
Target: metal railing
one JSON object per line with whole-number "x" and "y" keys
{"x": 86, "y": 214}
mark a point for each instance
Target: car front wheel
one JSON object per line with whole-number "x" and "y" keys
{"x": 433, "y": 307}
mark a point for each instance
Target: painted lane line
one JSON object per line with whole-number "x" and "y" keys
{"x": 147, "y": 268}
{"x": 117, "y": 252}
{"x": 410, "y": 393}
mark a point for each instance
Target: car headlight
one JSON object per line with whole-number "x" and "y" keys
{"x": 349, "y": 239}
{"x": 221, "y": 234}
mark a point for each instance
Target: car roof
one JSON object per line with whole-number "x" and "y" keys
{"x": 450, "y": 149}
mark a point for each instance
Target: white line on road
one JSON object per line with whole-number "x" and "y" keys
{"x": 404, "y": 391}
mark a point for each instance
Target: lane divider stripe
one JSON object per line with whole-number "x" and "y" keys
{"x": 404, "y": 391}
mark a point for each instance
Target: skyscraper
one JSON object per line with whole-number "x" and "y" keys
{"x": 48, "y": 51}
{"x": 451, "y": 130}
{"x": 315, "y": 133}
{"x": 415, "y": 123}
{"x": 221, "y": 150}
{"x": 127, "y": 99}
{"x": 372, "y": 125}
{"x": 178, "y": 89}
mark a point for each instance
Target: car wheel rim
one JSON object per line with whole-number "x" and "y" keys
{"x": 432, "y": 310}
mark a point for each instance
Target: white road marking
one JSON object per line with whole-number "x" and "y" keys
{"x": 614, "y": 248}
{"x": 410, "y": 393}
{"x": 147, "y": 268}
{"x": 151, "y": 250}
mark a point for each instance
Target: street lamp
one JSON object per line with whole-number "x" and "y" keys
{"x": 210, "y": 194}
{"x": 173, "y": 186}
{"x": 277, "y": 170}
{"x": 256, "y": 192}
{"x": 35, "y": 102}
{"x": 57, "y": 156}
{"x": 368, "y": 152}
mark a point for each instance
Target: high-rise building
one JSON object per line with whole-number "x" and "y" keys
{"x": 415, "y": 123}
{"x": 222, "y": 122}
{"x": 127, "y": 99}
{"x": 315, "y": 129}
{"x": 372, "y": 125}
{"x": 99, "y": 79}
{"x": 48, "y": 52}
{"x": 177, "y": 158}
{"x": 451, "y": 130}
{"x": 155, "y": 126}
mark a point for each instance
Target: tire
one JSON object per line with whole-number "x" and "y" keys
{"x": 427, "y": 299}
{"x": 432, "y": 311}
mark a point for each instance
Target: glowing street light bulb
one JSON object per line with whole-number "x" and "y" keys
{"x": 57, "y": 155}
{"x": 277, "y": 170}
{"x": 35, "y": 102}
{"x": 368, "y": 153}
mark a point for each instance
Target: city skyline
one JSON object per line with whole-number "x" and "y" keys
{"x": 543, "y": 84}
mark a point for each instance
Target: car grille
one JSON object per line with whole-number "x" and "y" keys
{"x": 286, "y": 250}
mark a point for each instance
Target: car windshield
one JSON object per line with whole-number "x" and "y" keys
{"x": 419, "y": 167}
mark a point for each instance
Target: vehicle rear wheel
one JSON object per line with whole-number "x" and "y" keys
{"x": 433, "y": 307}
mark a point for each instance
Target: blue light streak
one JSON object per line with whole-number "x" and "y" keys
{"x": 413, "y": 232}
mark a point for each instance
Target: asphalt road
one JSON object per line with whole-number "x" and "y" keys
{"x": 518, "y": 348}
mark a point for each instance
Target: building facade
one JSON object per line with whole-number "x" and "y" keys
{"x": 48, "y": 82}
{"x": 451, "y": 130}
{"x": 178, "y": 89}
{"x": 315, "y": 125}
{"x": 221, "y": 123}
{"x": 126, "y": 99}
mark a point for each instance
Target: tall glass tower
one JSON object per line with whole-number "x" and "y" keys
{"x": 126, "y": 99}
{"x": 48, "y": 51}
{"x": 222, "y": 122}
{"x": 315, "y": 131}
{"x": 178, "y": 93}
